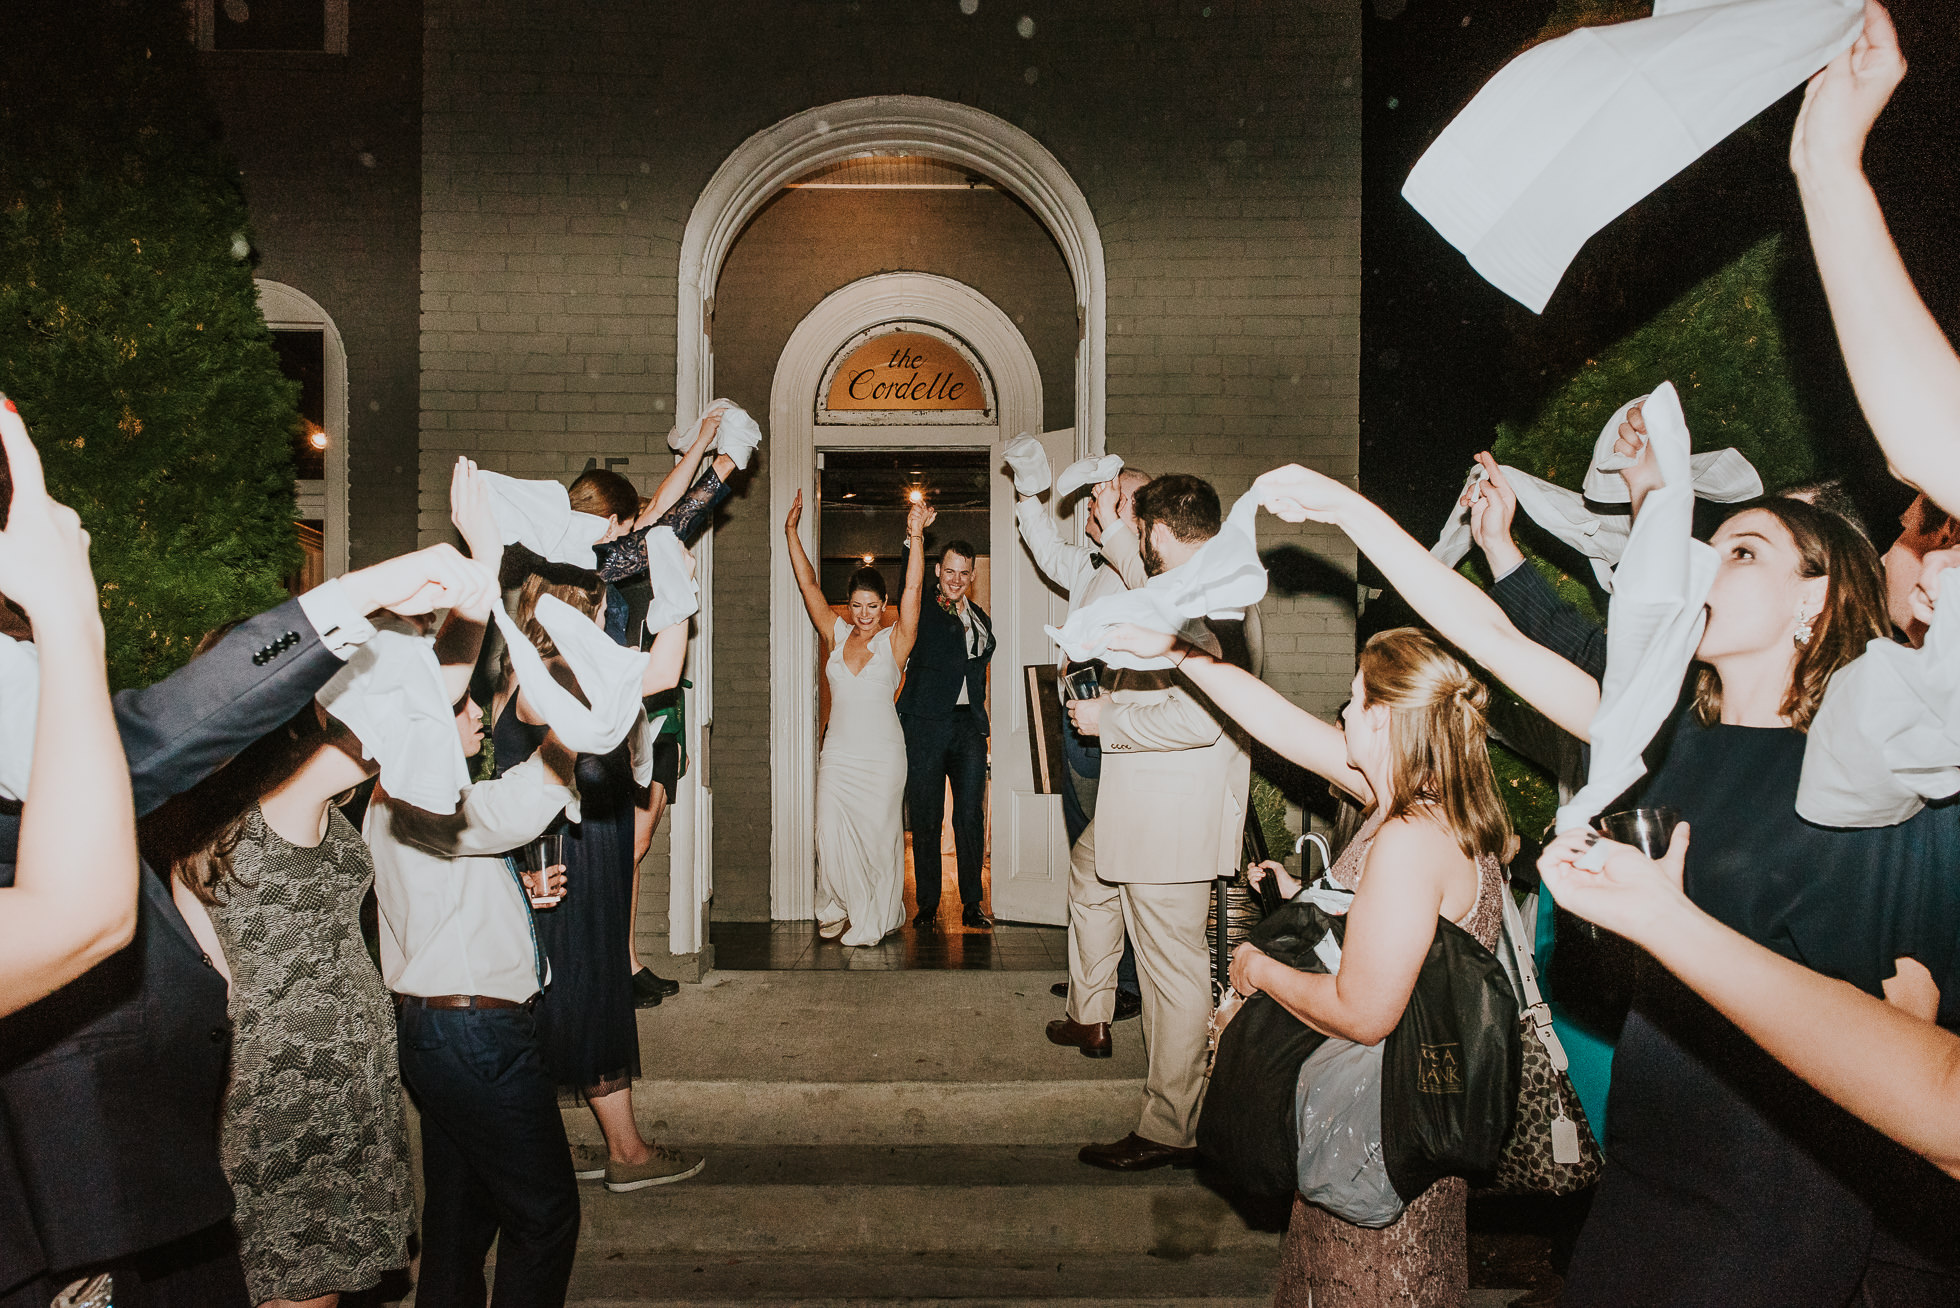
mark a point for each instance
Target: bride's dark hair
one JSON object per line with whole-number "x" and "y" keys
{"x": 868, "y": 579}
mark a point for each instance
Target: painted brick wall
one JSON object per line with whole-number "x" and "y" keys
{"x": 1218, "y": 145}
{"x": 330, "y": 147}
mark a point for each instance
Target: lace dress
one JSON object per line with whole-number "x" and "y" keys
{"x": 313, "y": 1136}
{"x": 1422, "y": 1260}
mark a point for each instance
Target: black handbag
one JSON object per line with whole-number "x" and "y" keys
{"x": 1450, "y": 1068}
{"x": 1246, "y": 1132}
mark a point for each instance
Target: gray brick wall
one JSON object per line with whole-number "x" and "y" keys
{"x": 1218, "y": 145}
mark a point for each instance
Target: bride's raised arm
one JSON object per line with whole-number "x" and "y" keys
{"x": 1461, "y": 613}
{"x": 906, "y": 629}
{"x": 814, "y": 603}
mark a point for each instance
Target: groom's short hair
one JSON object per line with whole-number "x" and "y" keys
{"x": 963, "y": 548}
{"x": 1185, "y": 504}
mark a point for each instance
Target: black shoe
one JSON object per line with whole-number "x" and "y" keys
{"x": 927, "y": 920}
{"x": 1127, "y": 1006}
{"x": 1133, "y": 1153}
{"x": 649, "y": 990}
{"x": 971, "y": 916}
{"x": 1059, "y": 990}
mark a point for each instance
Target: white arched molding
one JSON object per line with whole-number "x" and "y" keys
{"x": 285, "y": 308}
{"x": 793, "y": 437}
{"x": 753, "y": 174}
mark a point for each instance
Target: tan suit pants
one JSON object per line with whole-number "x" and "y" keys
{"x": 1167, "y": 925}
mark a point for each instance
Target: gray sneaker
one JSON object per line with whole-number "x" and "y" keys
{"x": 588, "y": 1161}
{"x": 664, "y": 1168}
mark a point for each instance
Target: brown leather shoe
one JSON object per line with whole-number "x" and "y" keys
{"x": 1092, "y": 1038}
{"x": 1133, "y": 1153}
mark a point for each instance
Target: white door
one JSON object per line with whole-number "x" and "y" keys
{"x": 1030, "y": 846}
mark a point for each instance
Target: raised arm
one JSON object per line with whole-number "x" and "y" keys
{"x": 681, "y": 475}
{"x": 806, "y": 576}
{"x": 665, "y": 660}
{"x": 461, "y": 636}
{"x": 906, "y": 629}
{"x": 1451, "y": 603}
{"x": 1895, "y": 1071}
{"x": 1266, "y": 715}
{"x": 1902, "y": 366}
{"x": 73, "y": 898}
{"x": 1056, "y": 559}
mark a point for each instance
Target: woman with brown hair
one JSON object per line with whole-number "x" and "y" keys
{"x": 586, "y": 1029}
{"x": 1411, "y": 749}
{"x": 1727, "y": 1179}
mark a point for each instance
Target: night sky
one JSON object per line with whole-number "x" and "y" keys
{"x": 1445, "y": 356}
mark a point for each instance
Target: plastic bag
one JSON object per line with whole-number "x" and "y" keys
{"x": 1450, "y": 1067}
{"x": 1339, "y": 1109}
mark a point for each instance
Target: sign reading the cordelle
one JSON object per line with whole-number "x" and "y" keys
{"x": 905, "y": 371}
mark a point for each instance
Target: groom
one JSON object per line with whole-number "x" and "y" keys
{"x": 943, "y": 710}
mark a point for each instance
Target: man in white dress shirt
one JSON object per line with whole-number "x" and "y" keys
{"x": 458, "y": 950}
{"x": 1112, "y": 562}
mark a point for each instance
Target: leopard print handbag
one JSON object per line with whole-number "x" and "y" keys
{"x": 1551, "y": 1149}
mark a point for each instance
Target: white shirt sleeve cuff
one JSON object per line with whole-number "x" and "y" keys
{"x": 332, "y": 614}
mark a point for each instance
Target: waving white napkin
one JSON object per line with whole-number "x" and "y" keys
{"x": 1029, "y": 463}
{"x": 1887, "y": 736}
{"x": 1723, "y": 476}
{"x": 20, "y": 705}
{"x": 1087, "y": 472}
{"x": 1574, "y": 132}
{"x": 1653, "y": 623}
{"x": 1219, "y": 581}
{"x": 538, "y": 515}
{"x": 391, "y": 696}
{"x": 676, "y": 598}
{"x": 680, "y": 440}
{"x": 738, "y": 435}
{"x": 609, "y": 675}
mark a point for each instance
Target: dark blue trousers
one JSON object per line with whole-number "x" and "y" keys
{"x": 495, "y": 1162}
{"x": 938, "y": 750}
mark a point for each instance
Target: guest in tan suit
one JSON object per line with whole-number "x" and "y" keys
{"x": 1170, "y": 814}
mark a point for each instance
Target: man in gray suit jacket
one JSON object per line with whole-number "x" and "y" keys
{"x": 1170, "y": 815}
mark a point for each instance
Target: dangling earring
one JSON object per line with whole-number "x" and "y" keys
{"x": 1803, "y": 632}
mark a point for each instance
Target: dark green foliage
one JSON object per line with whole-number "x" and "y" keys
{"x": 1722, "y": 346}
{"x": 130, "y": 335}
{"x": 1268, "y": 804}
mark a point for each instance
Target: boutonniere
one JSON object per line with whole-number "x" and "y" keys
{"x": 951, "y": 608}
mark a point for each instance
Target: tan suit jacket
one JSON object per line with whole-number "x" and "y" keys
{"x": 1172, "y": 802}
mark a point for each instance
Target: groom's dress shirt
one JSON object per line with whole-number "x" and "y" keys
{"x": 454, "y": 918}
{"x": 976, "y": 640}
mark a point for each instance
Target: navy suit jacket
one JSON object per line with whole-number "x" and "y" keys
{"x": 939, "y": 664}
{"x": 112, "y": 1085}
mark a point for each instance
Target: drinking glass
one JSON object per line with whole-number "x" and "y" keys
{"x": 1646, "y": 829}
{"x": 547, "y": 851}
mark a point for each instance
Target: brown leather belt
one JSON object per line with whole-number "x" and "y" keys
{"x": 462, "y": 1001}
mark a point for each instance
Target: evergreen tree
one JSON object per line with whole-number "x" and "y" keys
{"x": 130, "y": 335}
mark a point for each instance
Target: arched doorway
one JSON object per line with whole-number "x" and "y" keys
{"x": 298, "y": 322}
{"x": 1029, "y": 872}
{"x": 754, "y": 173}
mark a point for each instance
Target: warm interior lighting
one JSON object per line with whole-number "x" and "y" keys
{"x": 917, "y": 496}
{"x": 867, "y": 560}
{"x": 317, "y": 438}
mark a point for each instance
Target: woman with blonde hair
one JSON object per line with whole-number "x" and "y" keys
{"x": 1727, "y": 1179}
{"x": 1411, "y": 749}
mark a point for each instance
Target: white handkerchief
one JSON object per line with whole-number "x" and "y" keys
{"x": 538, "y": 515}
{"x": 1087, "y": 472}
{"x": 1723, "y": 476}
{"x": 20, "y": 700}
{"x": 681, "y": 440}
{"x": 1219, "y": 581}
{"x": 639, "y": 751}
{"x": 1562, "y": 512}
{"x": 1029, "y": 463}
{"x": 608, "y": 674}
{"x": 676, "y": 598}
{"x": 738, "y": 434}
{"x": 1887, "y": 736}
{"x": 391, "y": 696}
{"x": 1574, "y": 132}
{"x": 1653, "y": 623}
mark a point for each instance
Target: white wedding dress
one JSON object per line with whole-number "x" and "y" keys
{"x": 860, "y": 796}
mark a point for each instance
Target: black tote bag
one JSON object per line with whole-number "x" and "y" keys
{"x": 1246, "y": 1132}
{"x": 1450, "y": 1068}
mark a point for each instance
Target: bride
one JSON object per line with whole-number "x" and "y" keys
{"x": 861, "y": 771}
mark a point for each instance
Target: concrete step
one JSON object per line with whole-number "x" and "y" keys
{"x": 919, "y": 1200}
{"x": 1226, "y": 1280}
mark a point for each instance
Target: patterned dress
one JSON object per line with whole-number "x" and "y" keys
{"x": 313, "y": 1137}
{"x": 1421, "y": 1260}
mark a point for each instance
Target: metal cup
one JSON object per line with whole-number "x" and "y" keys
{"x": 1646, "y": 829}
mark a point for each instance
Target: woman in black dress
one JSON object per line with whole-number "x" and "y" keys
{"x": 1729, "y": 1181}
{"x": 586, "y": 1026}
